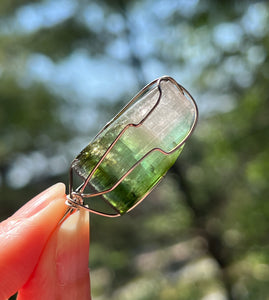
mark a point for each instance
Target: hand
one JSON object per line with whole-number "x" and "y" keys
{"x": 41, "y": 258}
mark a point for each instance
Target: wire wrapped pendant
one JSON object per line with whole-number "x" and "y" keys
{"x": 133, "y": 152}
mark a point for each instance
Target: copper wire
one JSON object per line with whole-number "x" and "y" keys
{"x": 75, "y": 198}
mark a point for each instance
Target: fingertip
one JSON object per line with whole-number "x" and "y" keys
{"x": 40, "y": 201}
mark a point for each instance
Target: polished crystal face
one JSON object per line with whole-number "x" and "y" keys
{"x": 165, "y": 126}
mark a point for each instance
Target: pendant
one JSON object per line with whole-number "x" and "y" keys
{"x": 133, "y": 152}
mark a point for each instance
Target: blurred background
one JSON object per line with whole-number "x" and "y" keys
{"x": 66, "y": 67}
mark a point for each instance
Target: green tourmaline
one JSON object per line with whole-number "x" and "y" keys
{"x": 165, "y": 128}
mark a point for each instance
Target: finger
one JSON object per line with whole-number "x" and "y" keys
{"x": 40, "y": 201}
{"x": 62, "y": 271}
{"x": 24, "y": 235}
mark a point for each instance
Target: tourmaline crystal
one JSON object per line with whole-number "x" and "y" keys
{"x": 168, "y": 124}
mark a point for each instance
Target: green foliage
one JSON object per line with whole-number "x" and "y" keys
{"x": 58, "y": 42}
{"x": 203, "y": 233}
{"x": 26, "y": 113}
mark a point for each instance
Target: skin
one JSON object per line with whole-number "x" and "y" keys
{"x": 42, "y": 258}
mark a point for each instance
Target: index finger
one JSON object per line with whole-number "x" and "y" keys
{"x": 24, "y": 235}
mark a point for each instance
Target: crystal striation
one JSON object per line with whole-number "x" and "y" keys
{"x": 165, "y": 128}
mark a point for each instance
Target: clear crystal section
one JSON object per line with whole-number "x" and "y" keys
{"x": 165, "y": 127}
